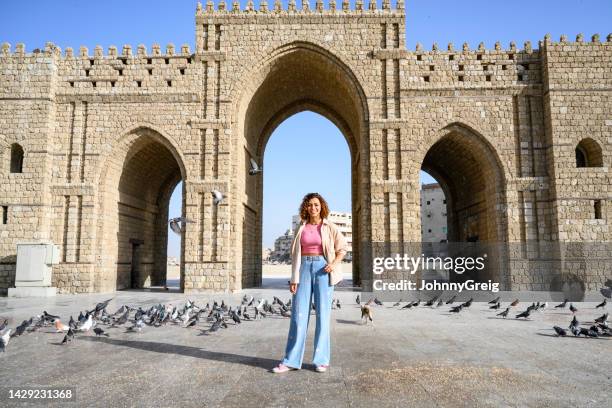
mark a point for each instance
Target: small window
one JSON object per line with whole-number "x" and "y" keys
{"x": 150, "y": 71}
{"x": 520, "y": 77}
{"x": 428, "y": 215}
{"x": 510, "y": 56}
{"x": 120, "y": 72}
{"x": 149, "y": 61}
{"x": 597, "y": 209}
{"x": 418, "y": 57}
{"x": 488, "y": 78}
{"x": 167, "y": 61}
{"x": 479, "y": 57}
{"x": 426, "y": 78}
{"x": 460, "y": 78}
{"x": 112, "y": 84}
{"x": 182, "y": 71}
{"x": 169, "y": 83}
{"x": 16, "y": 158}
{"x": 460, "y": 67}
{"x": 432, "y": 68}
{"x": 5, "y": 214}
{"x": 451, "y": 57}
{"x": 444, "y": 201}
{"x": 429, "y": 202}
{"x": 429, "y": 230}
{"x": 504, "y": 67}
{"x": 139, "y": 84}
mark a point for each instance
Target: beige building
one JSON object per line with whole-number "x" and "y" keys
{"x": 282, "y": 247}
{"x": 433, "y": 214}
{"x": 93, "y": 142}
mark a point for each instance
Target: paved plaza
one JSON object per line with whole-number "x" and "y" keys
{"x": 419, "y": 358}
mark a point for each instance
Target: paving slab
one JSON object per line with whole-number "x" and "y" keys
{"x": 418, "y": 358}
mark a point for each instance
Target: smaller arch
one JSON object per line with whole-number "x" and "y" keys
{"x": 588, "y": 153}
{"x": 17, "y": 155}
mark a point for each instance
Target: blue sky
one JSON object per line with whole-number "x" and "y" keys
{"x": 72, "y": 23}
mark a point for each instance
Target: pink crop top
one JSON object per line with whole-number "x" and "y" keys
{"x": 311, "y": 239}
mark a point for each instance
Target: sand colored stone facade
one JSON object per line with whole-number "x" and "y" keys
{"x": 106, "y": 134}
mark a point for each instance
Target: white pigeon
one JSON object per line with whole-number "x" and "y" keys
{"x": 217, "y": 196}
{"x": 60, "y": 327}
{"x": 254, "y": 167}
{"x": 4, "y": 339}
{"x": 87, "y": 325}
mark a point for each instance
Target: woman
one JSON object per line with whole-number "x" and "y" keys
{"x": 318, "y": 247}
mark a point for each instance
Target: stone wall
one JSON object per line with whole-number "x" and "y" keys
{"x": 108, "y": 135}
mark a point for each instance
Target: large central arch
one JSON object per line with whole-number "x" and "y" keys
{"x": 297, "y": 77}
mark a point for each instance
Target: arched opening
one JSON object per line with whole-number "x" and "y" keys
{"x": 470, "y": 179}
{"x": 588, "y": 154}
{"x": 175, "y": 210}
{"x": 16, "y": 158}
{"x": 288, "y": 177}
{"x": 297, "y": 78}
{"x": 137, "y": 183}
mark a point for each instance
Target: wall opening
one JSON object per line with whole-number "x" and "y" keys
{"x": 588, "y": 154}
{"x": 16, "y": 158}
{"x": 306, "y": 153}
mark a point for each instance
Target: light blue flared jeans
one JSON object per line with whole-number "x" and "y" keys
{"x": 313, "y": 281}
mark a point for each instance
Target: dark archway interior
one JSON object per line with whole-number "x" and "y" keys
{"x": 468, "y": 174}
{"x": 149, "y": 175}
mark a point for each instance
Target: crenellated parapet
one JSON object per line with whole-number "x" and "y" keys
{"x": 300, "y": 7}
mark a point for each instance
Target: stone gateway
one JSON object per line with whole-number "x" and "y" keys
{"x": 92, "y": 143}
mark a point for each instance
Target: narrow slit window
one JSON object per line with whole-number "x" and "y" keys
{"x": 16, "y": 158}
{"x": 597, "y": 209}
{"x": 5, "y": 214}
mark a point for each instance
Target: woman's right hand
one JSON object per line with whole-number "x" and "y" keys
{"x": 293, "y": 288}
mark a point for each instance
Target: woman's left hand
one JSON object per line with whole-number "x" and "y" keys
{"x": 330, "y": 267}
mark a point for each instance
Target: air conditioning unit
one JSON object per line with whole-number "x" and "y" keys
{"x": 34, "y": 269}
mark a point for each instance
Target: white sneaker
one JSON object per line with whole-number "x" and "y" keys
{"x": 321, "y": 368}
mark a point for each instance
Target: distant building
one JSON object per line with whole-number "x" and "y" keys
{"x": 282, "y": 247}
{"x": 265, "y": 254}
{"x": 433, "y": 214}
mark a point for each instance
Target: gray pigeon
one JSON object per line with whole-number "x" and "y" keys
{"x": 254, "y": 167}
{"x": 177, "y": 224}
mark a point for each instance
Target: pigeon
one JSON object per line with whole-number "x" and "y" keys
{"x": 440, "y": 303}
{"x": 602, "y": 304}
{"x": 68, "y": 337}
{"x": 87, "y": 325}
{"x": 397, "y": 303}
{"x": 515, "y": 303}
{"x": 3, "y": 325}
{"x": 574, "y": 322}
{"x": 525, "y": 314}
{"x": 494, "y": 301}
{"x": 217, "y": 196}
{"x": 575, "y": 330}
{"x": 432, "y": 301}
{"x": 408, "y": 306}
{"x": 602, "y": 319}
{"x": 366, "y": 313}
{"x": 495, "y": 306}
{"x": 177, "y": 224}
{"x": 607, "y": 292}
{"x": 504, "y": 314}
{"x": 358, "y": 300}
{"x": 254, "y": 167}
{"x": 378, "y": 302}
{"x": 61, "y": 327}
{"x": 100, "y": 332}
{"x": 572, "y": 308}
{"x": 72, "y": 324}
{"x": 4, "y": 340}
{"x": 101, "y": 306}
{"x": 20, "y": 329}
{"x": 560, "y": 331}
{"x": 456, "y": 309}
{"x": 416, "y": 303}
{"x": 122, "y": 319}
{"x": 468, "y": 303}
{"x": 49, "y": 317}
{"x": 451, "y": 300}
{"x": 138, "y": 325}
{"x": 562, "y": 305}
{"x": 338, "y": 304}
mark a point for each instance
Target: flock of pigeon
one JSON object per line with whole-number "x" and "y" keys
{"x": 134, "y": 320}
{"x": 599, "y": 327}
{"x": 217, "y": 316}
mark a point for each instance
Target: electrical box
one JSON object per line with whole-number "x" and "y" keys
{"x": 34, "y": 268}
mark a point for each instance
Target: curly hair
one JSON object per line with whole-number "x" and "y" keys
{"x": 304, "y": 206}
